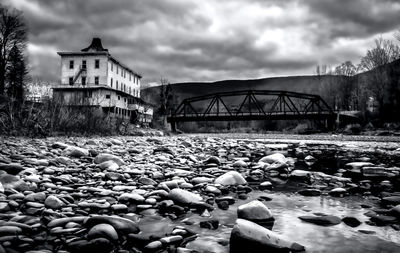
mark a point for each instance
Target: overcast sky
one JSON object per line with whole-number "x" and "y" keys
{"x": 208, "y": 40}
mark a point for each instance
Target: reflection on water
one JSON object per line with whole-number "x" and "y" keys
{"x": 286, "y": 207}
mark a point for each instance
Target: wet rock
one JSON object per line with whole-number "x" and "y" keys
{"x": 239, "y": 163}
{"x": 109, "y": 165}
{"x": 108, "y": 157}
{"x": 309, "y": 192}
{"x": 13, "y": 182}
{"x": 11, "y": 168}
{"x": 254, "y": 210}
{"x": 122, "y": 225}
{"x": 383, "y": 220}
{"x": 274, "y": 158}
{"x": 147, "y": 181}
{"x": 103, "y": 230}
{"x": 212, "y": 160}
{"x": 351, "y": 221}
{"x": 210, "y": 224}
{"x": 131, "y": 197}
{"x": 338, "y": 192}
{"x": 309, "y": 160}
{"x": 267, "y": 185}
{"x": 257, "y": 212}
{"x": 75, "y": 152}
{"x": 153, "y": 246}
{"x": 224, "y": 205}
{"x": 183, "y": 196}
{"x": 396, "y": 211}
{"x": 230, "y": 178}
{"x": 4, "y": 207}
{"x": 392, "y": 200}
{"x": 247, "y": 236}
{"x": 328, "y": 220}
{"x": 53, "y": 202}
{"x": 174, "y": 239}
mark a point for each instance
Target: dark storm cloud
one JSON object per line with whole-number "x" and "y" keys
{"x": 189, "y": 40}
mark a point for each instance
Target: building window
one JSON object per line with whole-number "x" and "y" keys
{"x": 119, "y": 98}
{"x": 130, "y": 92}
{"x": 71, "y": 81}
{"x": 83, "y": 64}
{"x": 111, "y": 82}
{"x": 117, "y": 84}
{"x": 71, "y": 64}
{"x": 83, "y": 80}
{"x": 130, "y": 77}
{"x": 117, "y": 69}
{"x": 96, "y": 80}
{"x": 88, "y": 94}
{"x": 125, "y": 100}
{"x": 108, "y": 96}
{"x": 112, "y": 66}
{"x": 97, "y": 64}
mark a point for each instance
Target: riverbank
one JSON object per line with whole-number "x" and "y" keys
{"x": 182, "y": 193}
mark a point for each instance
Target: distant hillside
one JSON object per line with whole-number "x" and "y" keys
{"x": 305, "y": 84}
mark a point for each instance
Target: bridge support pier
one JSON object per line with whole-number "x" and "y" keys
{"x": 173, "y": 126}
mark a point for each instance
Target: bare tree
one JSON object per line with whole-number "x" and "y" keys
{"x": 166, "y": 96}
{"x": 345, "y": 86}
{"x": 384, "y": 52}
{"x": 13, "y": 33}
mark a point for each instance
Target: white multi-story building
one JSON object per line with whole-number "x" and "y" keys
{"x": 92, "y": 77}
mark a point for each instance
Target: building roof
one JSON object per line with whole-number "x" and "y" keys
{"x": 96, "y": 48}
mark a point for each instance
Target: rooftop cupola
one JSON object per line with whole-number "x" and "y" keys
{"x": 95, "y": 46}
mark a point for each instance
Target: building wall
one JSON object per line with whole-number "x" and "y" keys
{"x": 91, "y": 71}
{"x": 123, "y": 76}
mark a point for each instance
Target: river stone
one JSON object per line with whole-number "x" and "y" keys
{"x": 358, "y": 165}
{"x": 146, "y": 181}
{"x": 247, "y": 236}
{"x": 131, "y": 197}
{"x": 13, "y": 182}
{"x": 254, "y": 210}
{"x": 396, "y": 211}
{"x": 109, "y": 165}
{"x": 213, "y": 159}
{"x": 75, "y": 152}
{"x": 103, "y": 230}
{"x": 274, "y": 158}
{"x": 239, "y": 163}
{"x": 267, "y": 185}
{"x": 230, "y": 178}
{"x": 338, "y": 192}
{"x": 4, "y": 207}
{"x": 392, "y": 200}
{"x": 153, "y": 246}
{"x": 328, "y": 220}
{"x": 309, "y": 192}
{"x": 185, "y": 197}
{"x": 351, "y": 221}
{"x": 108, "y": 157}
{"x": 10, "y": 230}
{"x": 11, "y": 168}
{"x": 122, "y": 225}
{"x": 53, "y": 202}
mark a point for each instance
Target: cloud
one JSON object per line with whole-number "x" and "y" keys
{"x": 190, "y": 40}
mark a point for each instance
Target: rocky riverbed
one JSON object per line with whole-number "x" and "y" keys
{"x": 199, "y": 194}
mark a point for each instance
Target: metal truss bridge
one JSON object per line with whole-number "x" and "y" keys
{"x": 254, "y": 105}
